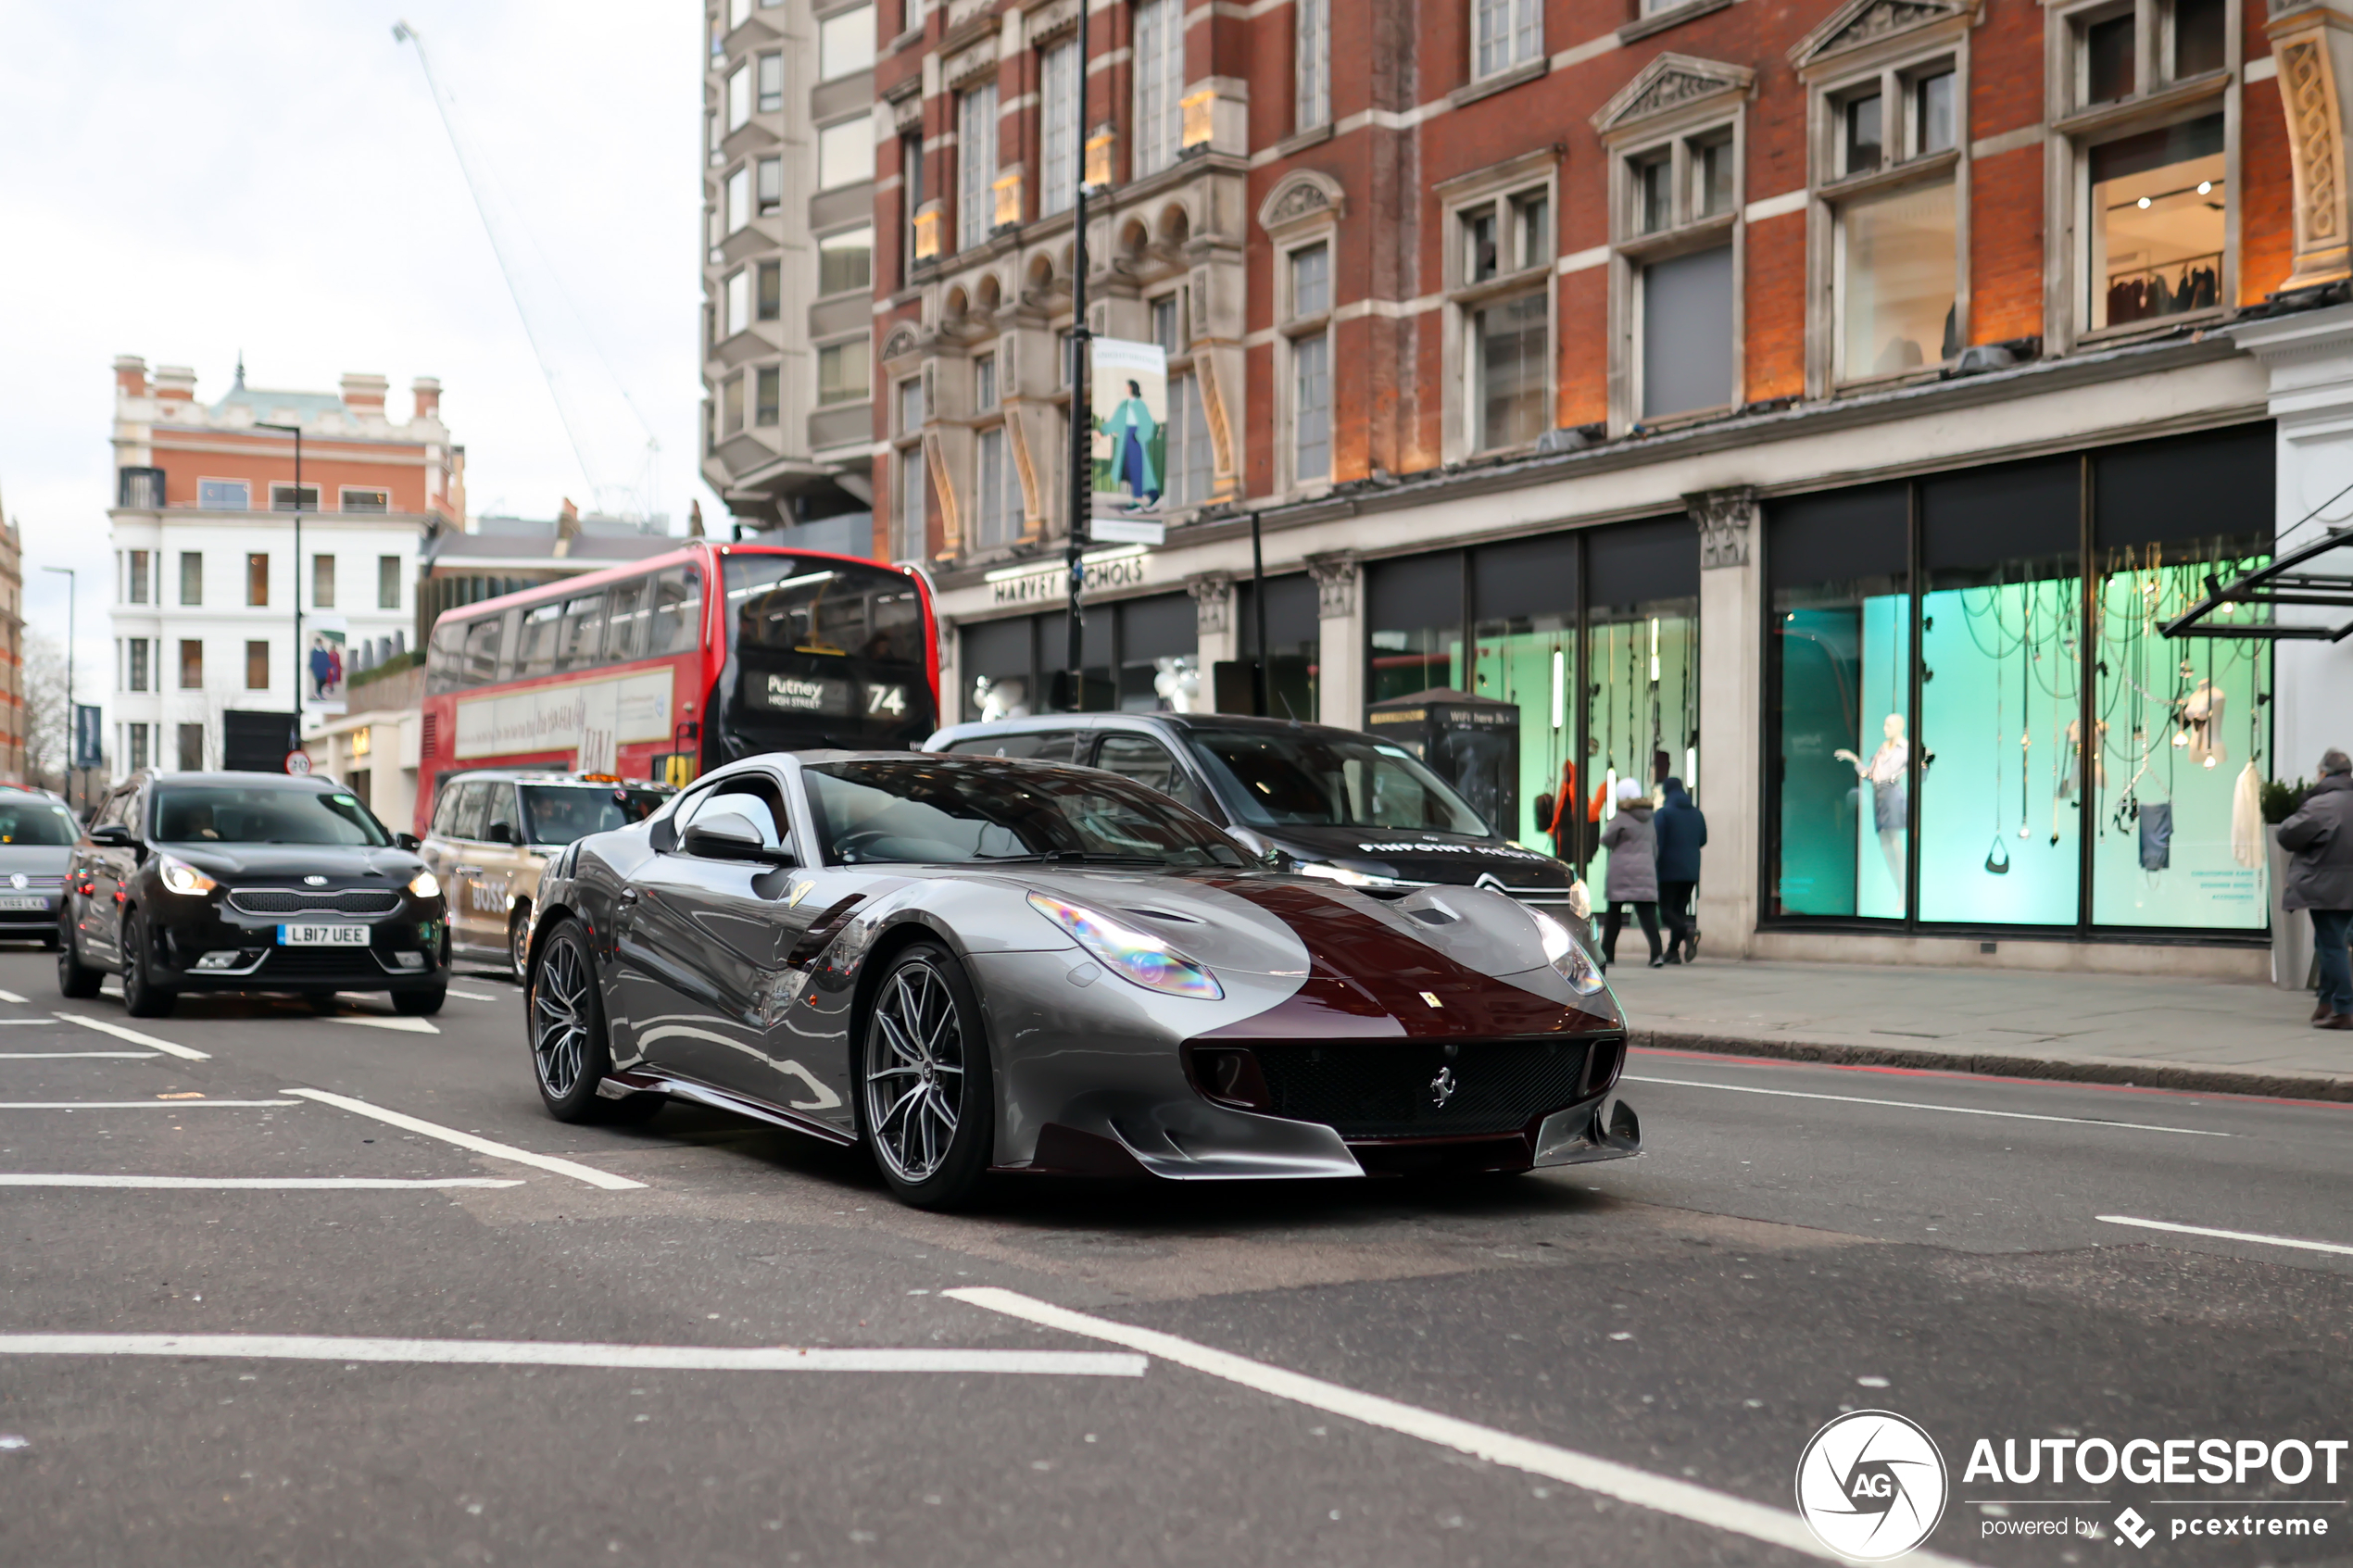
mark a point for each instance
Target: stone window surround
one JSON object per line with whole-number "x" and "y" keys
{"x": 1629, "y": 133}
{"x": 2067, "y": 159}
{"x": 1497, "y": 184}
{"x": 1832, "y": 71}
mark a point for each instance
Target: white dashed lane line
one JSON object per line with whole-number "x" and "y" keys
{"x": 1915, "y": 1105}
{"x": 2228, "y": 1236}
{"x": 635, "y": 1358}
{"x": 78, "y": 1055}
{"x": 469, "y": 1140}
{"x": 11, "y": 997}
{"x": 479, "y": 996}
{"x": 245, "y": 1184}
{"x": 138, "y": 1104}
{"x": 1662, "y": 1494}
{"x": 169, "y": 1047}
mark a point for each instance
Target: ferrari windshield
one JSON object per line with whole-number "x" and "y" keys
{"x": 1272, "y": 780}
{"x": 941, "y": 809}
{"x": 262, "y": 814}
{"x": 559, "y": 813}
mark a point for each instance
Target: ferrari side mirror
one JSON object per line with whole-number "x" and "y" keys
{"x": 408, "y": 841}
{"x": 731, "y": 837}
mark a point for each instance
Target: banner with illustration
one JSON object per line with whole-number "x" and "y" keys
{"x": 1128, "y": 400}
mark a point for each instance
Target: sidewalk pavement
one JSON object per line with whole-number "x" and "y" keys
{"x": 2200, "y": 1034}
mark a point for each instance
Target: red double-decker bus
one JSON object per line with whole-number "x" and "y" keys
{"x": 666, "y": 667}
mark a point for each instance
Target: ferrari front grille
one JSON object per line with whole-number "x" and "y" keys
{"x": 1416, "y": 1089}
{"x": 292, "y": 902}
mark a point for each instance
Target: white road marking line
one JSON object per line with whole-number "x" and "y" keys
{"x": 11, "y": 997}
{"x": 132, "y": 1104}
{"x": 73, "y": 1055}
{"x": 479, "y": 996}
{"x": 1662, "y": 1494}
{"x": 2228, "y": 1236}
{"x": 406, "y": 1026}
{"x": 120, "y": 1033}
{"x": 525, "y": 1352}
{"x": 37, "y": 1022}
{"x": 1948, "y": 1109}
{"x": 290, "y": 1183}
{"x": 468, "y": 1140}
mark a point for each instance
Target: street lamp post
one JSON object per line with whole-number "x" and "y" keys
{"x": 73, "y": 716}
{"x": 293, "y": 739}
{"x": 1082, "y": 424}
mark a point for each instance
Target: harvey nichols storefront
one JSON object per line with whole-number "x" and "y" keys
{"x": 1928, "y": 709}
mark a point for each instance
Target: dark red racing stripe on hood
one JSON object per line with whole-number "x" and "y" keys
{"x": 1366, "y": 979}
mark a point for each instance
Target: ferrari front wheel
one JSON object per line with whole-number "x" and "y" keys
{"x": 926, "y": 1097}
{"x": 570, "y": 1051}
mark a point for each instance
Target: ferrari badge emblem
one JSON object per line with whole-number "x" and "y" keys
{"x": 1442, "y": 1088}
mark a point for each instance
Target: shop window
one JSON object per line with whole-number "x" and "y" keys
{"x": 2157, "y": 223}
{"x": 999, "y": 668}
{"x": 1525, "y": 653}
{"x": 1841, "y": 686}
{"x": 1159, "y": 656}
{"x": 1895, "y": 282}
{"x": 1414, "y": 612}
{"x": 1642, "y": 651}
{"x": 1294, "y": 644}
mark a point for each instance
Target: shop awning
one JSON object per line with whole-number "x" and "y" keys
{"x": 2280, "y": 585}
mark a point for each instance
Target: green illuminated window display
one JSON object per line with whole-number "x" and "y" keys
{"x": 1999, "y": 698}
{"x": 1844, "y": 664}
{"x": 1642, "y": 721}
{"x": 1531, "y": 661}
{"x": 2183, "y": 728}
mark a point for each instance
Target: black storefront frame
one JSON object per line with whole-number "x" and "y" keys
{"x": 2083, "y": 928}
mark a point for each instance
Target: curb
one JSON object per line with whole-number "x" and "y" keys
{"x": 2136, "y": 1075}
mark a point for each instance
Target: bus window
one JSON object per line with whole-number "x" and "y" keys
{"x": 625, "y": 626}
{"x": 536, "y": 648}
{"x": 479, "y": 665}
{"x": 677, "y": 611}
{"x": 445, "y": 656}
{"x": 581, "y": 646}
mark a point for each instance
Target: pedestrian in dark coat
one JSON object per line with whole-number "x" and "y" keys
{"x": 1631, "y": 882}
{"x": 1681, "y": 829}
{"x": 2320, "y": 878}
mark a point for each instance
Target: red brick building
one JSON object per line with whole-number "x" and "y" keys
{"x": 1558, "y": 341}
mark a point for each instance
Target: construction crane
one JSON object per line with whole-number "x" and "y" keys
{"x": 514, "y": 245}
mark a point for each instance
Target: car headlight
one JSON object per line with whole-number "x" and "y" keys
{"x": 1344, "y": 877}
{"x": 1566, "y": 957}
{"x": 1138, "y": 955}
{"x": 1580, "y": 899}
{"x": 424, "y": 885}
{"x": 179, "y": 876}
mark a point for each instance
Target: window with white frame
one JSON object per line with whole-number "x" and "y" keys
{"x": 845, "y": 153}
{"x": 910, "y": 533}
{"x": 1312, "y": 64}
{"x": 2152, "y": 190}
{"x": 739, "y": 96}
{"x": 1896, "y": 241}
{"x": 1503, "y": 293}
{"x": 1160, "y": 82}
{"x": 771, "y": 84}
{"x": 846, "y": 262}
{"x": 1308, "y": 301}
{"x": 845, "y": 43}
{"x": 737, "y": 292}
{"x": 1504, "y": 34}
{"x": 1678, "y": 199}
{"x": 738, "y": 205}
{"x": 976, "y": 163}
{"x": 1058, "y": 126}
{"x": 985, "y": 384}
{"x": 911, "y": 406}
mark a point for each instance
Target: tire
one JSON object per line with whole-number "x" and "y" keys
{"x": 926, "y": 1094}
{"x": 571, "y": 1053}
{"x": 76, "y": 980}
{"x": 420, "y": 1004}
{"x": 517, "y": 955}
{"x": 141, "y": 997}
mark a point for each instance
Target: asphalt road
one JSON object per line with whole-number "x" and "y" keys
{"x": 1642, "y": 1349}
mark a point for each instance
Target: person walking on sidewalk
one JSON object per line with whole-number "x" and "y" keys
{"x": 2320, "y": 878}
{"x": 1681, "y": 829}
{"x": 1631, "y": 881}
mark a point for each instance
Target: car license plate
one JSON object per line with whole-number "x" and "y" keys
{"x": 340, "y": 935}
{"x": 21, "y": 901}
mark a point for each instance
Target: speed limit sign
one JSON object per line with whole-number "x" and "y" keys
{"x": 298, "y": 762}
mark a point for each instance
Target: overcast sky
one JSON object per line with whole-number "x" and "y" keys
{"x": 180, "y": 181}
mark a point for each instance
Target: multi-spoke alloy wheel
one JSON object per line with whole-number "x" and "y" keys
{"x": 923, "y": 1088}
{"x": 570, "y": 1051}
{"x": 559, "y": 1018}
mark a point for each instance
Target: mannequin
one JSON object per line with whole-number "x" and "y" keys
{"x": 1885, "y": 773}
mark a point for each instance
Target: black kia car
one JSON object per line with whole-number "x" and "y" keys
{"x": 248, "y": 882}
